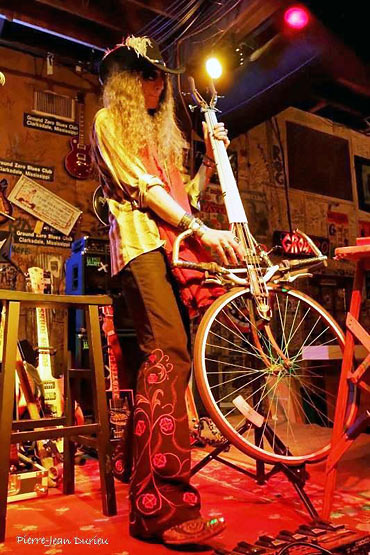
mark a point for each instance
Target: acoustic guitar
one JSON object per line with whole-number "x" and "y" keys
{"x": 78, "y": 162}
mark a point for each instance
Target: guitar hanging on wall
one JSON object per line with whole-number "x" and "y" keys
{"x": 78, "y": 162}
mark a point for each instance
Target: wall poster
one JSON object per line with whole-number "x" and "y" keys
{"x": 44, "y": 205}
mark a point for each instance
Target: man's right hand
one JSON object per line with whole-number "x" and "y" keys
{"x": 225, "y": 244}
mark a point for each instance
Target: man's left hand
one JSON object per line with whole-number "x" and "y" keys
{"x": 220, "y": 134}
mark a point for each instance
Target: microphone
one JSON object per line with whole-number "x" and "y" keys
{"x": 2, "y": 79}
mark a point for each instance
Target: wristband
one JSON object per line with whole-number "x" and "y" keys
{"x": 188, "y": 221}
{"x": 185, "y": 221}
{"x": 198, "y": 227}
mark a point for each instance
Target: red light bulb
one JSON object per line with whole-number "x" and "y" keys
{"x": 296, "y": 17}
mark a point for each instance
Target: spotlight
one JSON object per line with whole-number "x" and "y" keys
{"x": 214, "y": 68}
{"x": 296, "y": 17}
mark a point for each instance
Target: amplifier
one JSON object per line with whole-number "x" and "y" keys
{"x": 95, "y": 245}
{"x": 88, "y": 273}
{"x": 88, "y": 270}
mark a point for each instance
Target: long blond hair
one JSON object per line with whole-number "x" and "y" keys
{"x": 134, "y": 127}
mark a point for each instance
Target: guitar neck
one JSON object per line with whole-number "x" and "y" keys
{"x": 52, "y": 386}
{"x": 81, "y": 121}
{"x": 43, "y": 342}
{"x": 233, "y": 203}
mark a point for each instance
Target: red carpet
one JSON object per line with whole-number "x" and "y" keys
{"x": 75, "y": 525}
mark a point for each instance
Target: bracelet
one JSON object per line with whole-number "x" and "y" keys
{"x": 185, "y": 221}
{"x": 198, "y": 227}
{"x": 188, "y": 221}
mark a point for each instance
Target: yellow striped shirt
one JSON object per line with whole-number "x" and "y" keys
{"x": 125, "y": 183}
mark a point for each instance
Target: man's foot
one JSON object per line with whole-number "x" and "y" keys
{"x": 193, "y": 531}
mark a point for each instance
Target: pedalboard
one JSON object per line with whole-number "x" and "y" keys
{"x": 335, "y": 539}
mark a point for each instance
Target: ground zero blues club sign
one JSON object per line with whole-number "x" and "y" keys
{"x": 48, "y": 123}
{"x": 15, "y": 167}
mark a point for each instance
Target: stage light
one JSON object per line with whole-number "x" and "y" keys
{"x": 296, "y": 17}
{"x": 214, "y": 68}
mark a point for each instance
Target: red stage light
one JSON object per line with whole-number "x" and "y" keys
{"x": 296, "y": 17}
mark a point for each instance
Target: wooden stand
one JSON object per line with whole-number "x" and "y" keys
{"x": 95, "y": 434}
{"x": 343, "y": 439}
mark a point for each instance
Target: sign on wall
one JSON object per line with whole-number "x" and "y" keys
{"x": 44, "y": 205}
{"x": 338, "y": 229}
{"x": 48, "y": 123}
{"x": 14, "y": 167}
{"x": 48, "y": 238}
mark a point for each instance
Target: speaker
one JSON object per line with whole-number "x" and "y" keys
{"x": 88, "y": 268}
{"x": 88, "y": 273}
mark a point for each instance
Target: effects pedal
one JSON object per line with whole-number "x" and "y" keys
{"x": 336, "y": 539}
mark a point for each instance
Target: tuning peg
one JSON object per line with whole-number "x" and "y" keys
{"x": 192, "y": 107}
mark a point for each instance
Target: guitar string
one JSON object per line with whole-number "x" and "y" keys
{"x": 254, "y": 268}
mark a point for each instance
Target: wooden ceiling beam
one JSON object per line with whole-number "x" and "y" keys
{"x": 151, "y": 8}
{"x": 251, "y": 17}
{"x": 73, "y": 25}
{"x": 90, "y": 13}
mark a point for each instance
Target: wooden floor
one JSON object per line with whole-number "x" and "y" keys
{"x": 75, "y": 525}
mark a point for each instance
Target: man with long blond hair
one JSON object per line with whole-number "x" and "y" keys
{"x": 139, "y": 151}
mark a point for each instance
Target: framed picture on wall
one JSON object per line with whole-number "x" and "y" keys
{"x": 362, "y": 167}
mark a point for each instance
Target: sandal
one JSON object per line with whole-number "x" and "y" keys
{"x": 193, "y": 531}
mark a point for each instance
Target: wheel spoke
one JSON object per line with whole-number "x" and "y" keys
{"x": 270, "y": 367}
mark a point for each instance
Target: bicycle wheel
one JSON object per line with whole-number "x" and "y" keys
{"x": 271, "y": 388}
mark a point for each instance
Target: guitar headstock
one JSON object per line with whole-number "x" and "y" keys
{"x": 38, "y": 280}
{"x": 201, "y": 102}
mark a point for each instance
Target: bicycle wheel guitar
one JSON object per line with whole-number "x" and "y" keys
{"x": 263, "y": 351}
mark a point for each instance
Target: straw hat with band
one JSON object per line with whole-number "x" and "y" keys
{"x": 135, "y": 53}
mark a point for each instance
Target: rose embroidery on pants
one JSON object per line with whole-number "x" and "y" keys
{"x": 167, "y": 425}
{"x": 190, "y": 498}
{"x": 152, "y": 378}
{"x": 147, "y": 503}
{"x": 159, "y": 460}
{"x": 140, "y": 428}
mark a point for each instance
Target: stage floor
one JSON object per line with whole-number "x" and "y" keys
{"x": 75, "y": 524}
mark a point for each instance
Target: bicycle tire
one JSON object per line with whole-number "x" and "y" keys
{"x": 280, "y": 370}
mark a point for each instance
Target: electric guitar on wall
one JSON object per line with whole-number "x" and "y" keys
{"x": 78, "y": 162}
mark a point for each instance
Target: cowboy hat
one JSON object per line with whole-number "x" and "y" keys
{"x": 134, "y": 53}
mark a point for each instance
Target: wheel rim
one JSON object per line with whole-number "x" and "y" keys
{"x": 283, "y": 377}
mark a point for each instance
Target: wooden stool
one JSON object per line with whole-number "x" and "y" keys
{"x": 342, "y": 439}
{"x": 95, "y": 434}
